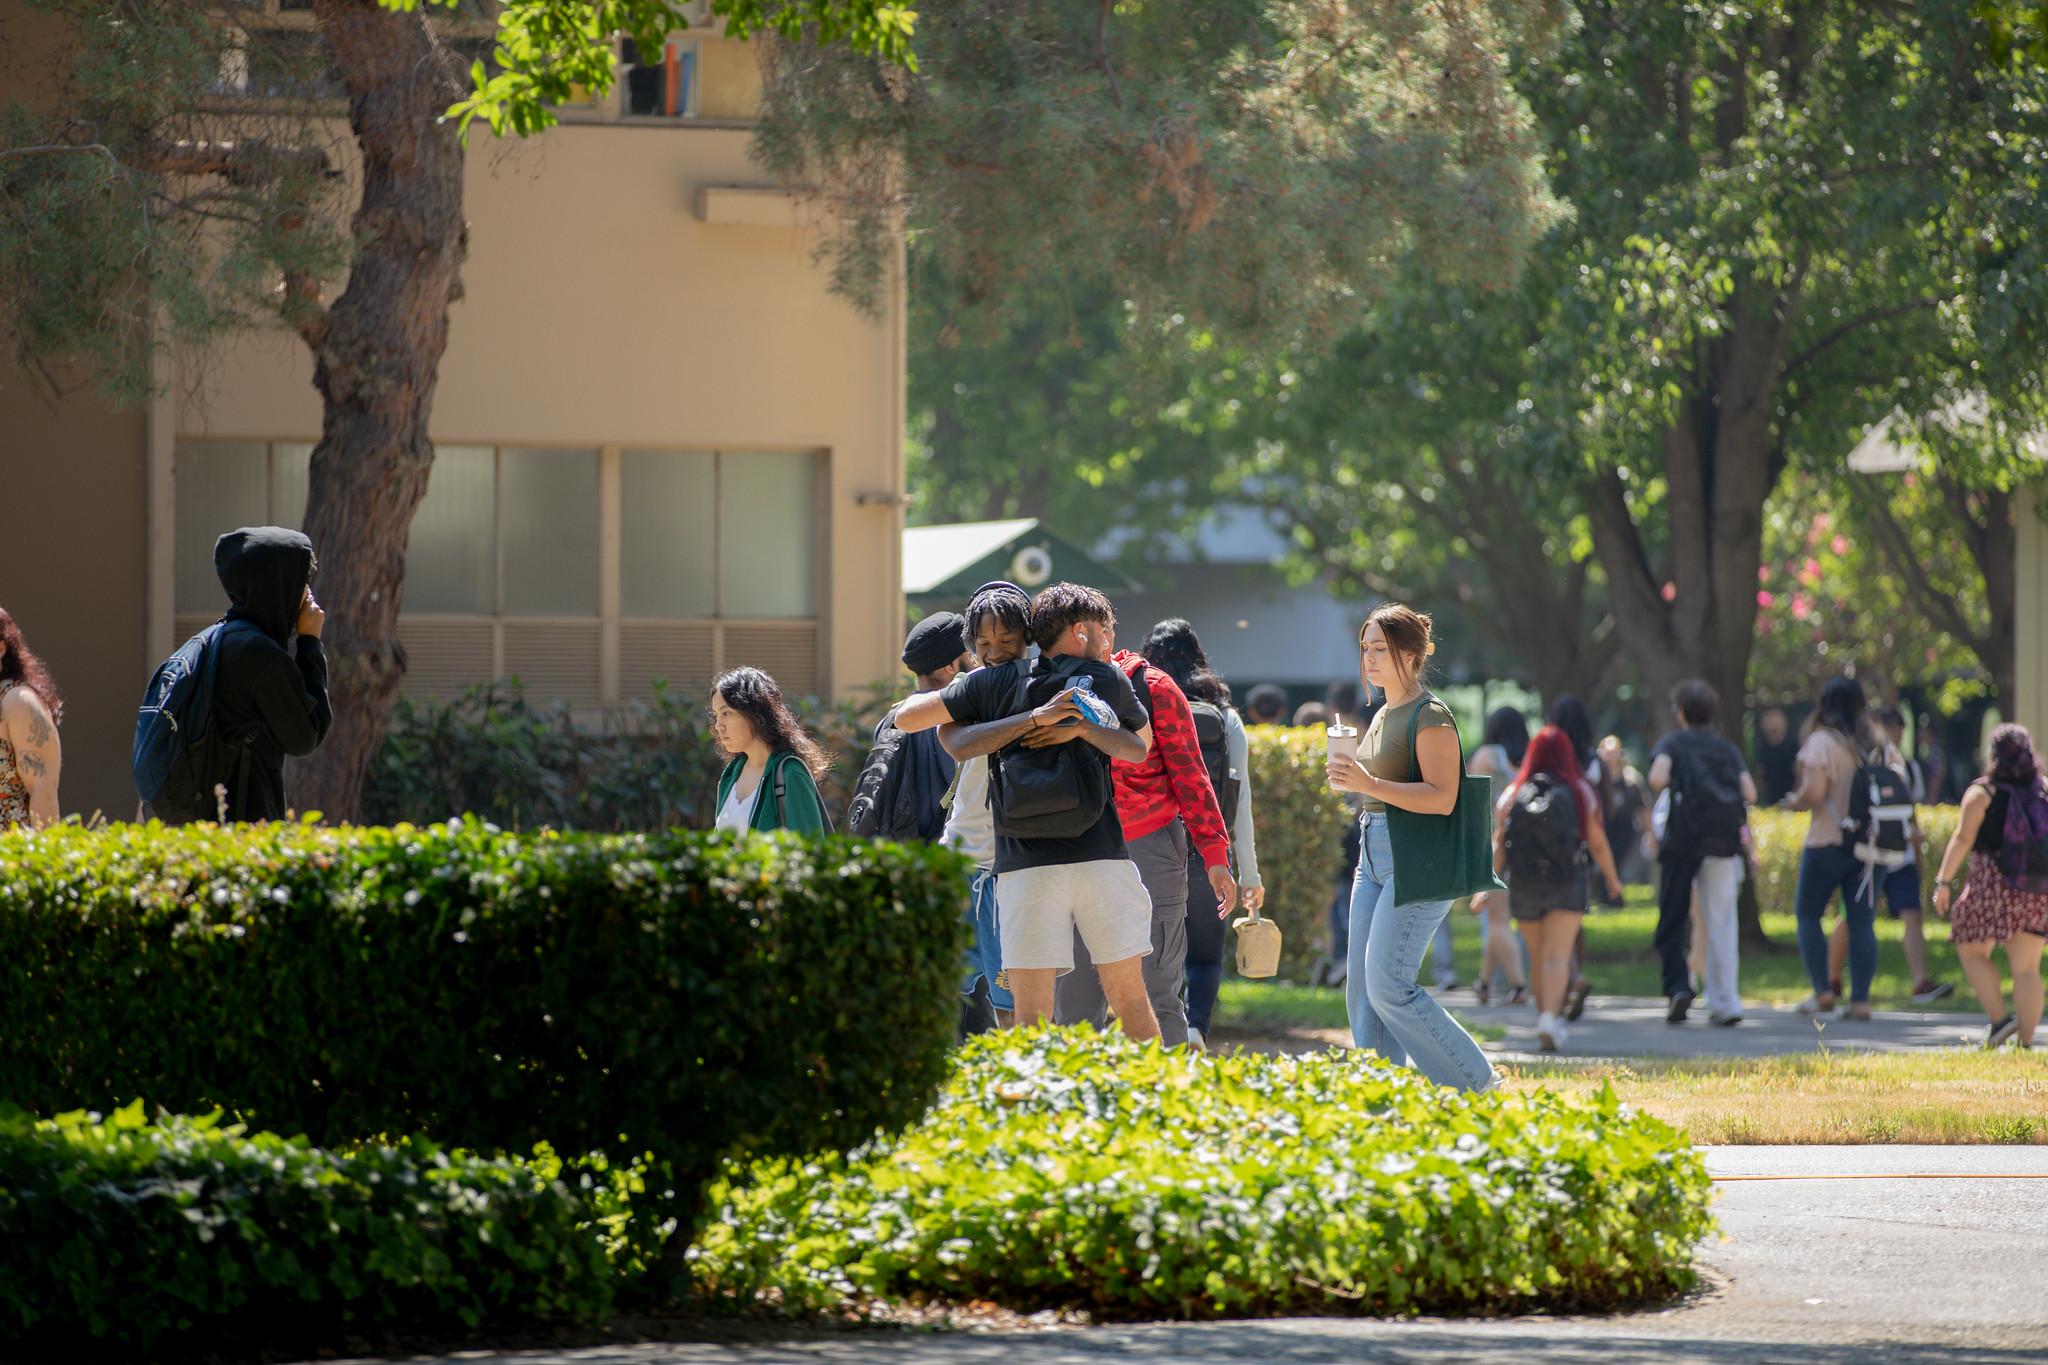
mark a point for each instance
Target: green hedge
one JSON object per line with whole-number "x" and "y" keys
{"x": 128, "y": 1236}
{"x": 1779, "y": 835}
{"x": 498, "y": 755}
{"x": 1301, "y": 825}
{"x": 1063, "y": 1168}
{"x": 678, "y": 993}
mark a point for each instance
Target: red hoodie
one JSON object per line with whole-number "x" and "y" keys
{"x": 1172, "y": 780}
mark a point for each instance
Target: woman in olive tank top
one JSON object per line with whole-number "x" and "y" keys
{"x": 1389, "y": 1012}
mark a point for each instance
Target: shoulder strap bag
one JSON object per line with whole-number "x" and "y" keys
{"x": 1443, "y": 857}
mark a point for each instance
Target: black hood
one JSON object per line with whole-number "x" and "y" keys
{"x": 265, "y": 570}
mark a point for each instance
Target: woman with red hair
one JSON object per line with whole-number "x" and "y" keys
{"x": 1546, "y": 828}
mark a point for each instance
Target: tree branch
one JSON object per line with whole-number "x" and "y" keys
{"x": 1897, "y": 547}
{"x": 1835, "y": 334}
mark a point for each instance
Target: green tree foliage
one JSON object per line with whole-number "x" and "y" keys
{"x": 1792, "y": 219}
{"x": 1254, "y": 165}
{"x": 548, "y": 48}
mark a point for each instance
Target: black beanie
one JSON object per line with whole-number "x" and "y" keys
{"x": 934, "y": 642}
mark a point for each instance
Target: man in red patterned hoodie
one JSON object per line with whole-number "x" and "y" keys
{"x": 1162, "y": 803}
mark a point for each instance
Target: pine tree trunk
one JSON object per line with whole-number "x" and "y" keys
{"x": 377, "y": 352}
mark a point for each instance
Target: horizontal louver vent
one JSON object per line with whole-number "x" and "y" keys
{"x": 445, "y": 658}
{"x": 554, "y": 660}
{"x": 786, "y": 652}
{"x": 680, "y": 653}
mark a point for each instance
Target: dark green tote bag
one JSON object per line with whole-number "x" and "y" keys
{"x": 1443, "y": 857}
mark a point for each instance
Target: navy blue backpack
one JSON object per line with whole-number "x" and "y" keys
{"x": 179, "y": 755}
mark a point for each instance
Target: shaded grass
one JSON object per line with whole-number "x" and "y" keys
{"x": 1942, "y": 1096}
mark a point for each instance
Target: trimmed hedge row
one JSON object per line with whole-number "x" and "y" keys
{"x": 681, "y": 994}
{"x": 1064, "y": 1168}
{"x": 132, "y": 1235}
{"x": 1301, "y": 825}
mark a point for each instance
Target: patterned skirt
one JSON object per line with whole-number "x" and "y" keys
{"x": 1989, "y": 910}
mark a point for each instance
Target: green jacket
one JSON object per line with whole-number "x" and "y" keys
{"x": 800, "y": 809}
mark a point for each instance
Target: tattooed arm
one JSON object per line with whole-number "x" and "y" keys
{"x": 38, "y": 755}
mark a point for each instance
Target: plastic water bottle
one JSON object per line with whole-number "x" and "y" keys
{"x": 1096, "y": 709}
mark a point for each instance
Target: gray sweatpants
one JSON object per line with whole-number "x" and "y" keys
{"x": 1162, "y": 859}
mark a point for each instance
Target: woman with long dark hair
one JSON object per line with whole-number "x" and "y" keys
{"x": 31, "y": 757}
{"x": 1175, "y": 650}
{"x": 1499, "y": 756}
{"x": 1828, "y": 761}
{"x": 771, "y": 781}
{"x": 1547, "y": 880}
{"x": 2004, "y": 831}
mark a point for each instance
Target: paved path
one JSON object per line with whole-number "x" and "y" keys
{"x": 1633, "y": 1026}
{"x": 1813, "y": 1272}
{"x": 1623, "y": 1026}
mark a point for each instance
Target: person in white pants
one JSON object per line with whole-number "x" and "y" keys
{"x": 1695, "y": 759}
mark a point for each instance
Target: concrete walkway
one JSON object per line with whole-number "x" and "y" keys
{"x": 1628, "y": 1026}
{"x": 1813, "y": 1272}
{"x": 1633, "y": 1026}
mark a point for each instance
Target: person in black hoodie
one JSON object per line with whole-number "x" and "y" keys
{"x": 272, "y": 683}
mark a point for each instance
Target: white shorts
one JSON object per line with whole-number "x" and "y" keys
{"x": 1039, "y": 908}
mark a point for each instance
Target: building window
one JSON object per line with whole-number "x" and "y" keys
{"x": 662, "y": 85}
{"x": 587, "y": 574}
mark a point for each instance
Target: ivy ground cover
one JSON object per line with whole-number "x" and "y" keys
{"x": 1063, "y": 1168}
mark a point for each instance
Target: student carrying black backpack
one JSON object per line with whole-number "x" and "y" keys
{"x": 1544, "y": 845}
{"x": 223, "y": 713}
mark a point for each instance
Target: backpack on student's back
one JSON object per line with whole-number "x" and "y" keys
{"x": 180, "y": 755}
{"x": 1542, "y": 834}
{"x": 1214, "y": 740}
{"x": 1210, "y": 736}
{"x": 882, "y": 805}
{"x": 1058, "y": 792}
{"x": 2022, "y": 856}
{"x": 1879, "y": 830}
{"x": 1706, "y": 815}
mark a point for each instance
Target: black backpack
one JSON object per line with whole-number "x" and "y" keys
{"x": 1879, "y": 830}
{"x": 180, "y": 756}
{"x": 1210, "y": 735}
{"x": 882, "y": 805}
{"x": 1055, "y": 793}
{"x": 1707, "y": 813}
{"x": 1543, "y": 840}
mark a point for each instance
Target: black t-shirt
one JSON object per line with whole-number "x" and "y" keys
{"x": 992, "y": 694}
{"x": 1700, "y": 750}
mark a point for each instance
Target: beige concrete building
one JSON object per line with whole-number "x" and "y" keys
{"x": 664, "y": 448}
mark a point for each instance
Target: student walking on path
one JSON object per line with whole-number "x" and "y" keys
{"x": 31, "y": 756}
{"x": 2003, "y": 830}
{"x": 1174, "y": 650}
{"x": 1408, "y": 758}
{"x": 1828, "y": 765}
{"x": 771, "y": 781}
{"x": 1501, "y": 750}
{"x": 1899, "y": 887}
{"x": 1546, "y": 828}
{"x": 1700, "y": 854}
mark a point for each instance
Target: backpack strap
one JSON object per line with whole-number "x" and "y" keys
{"x": 781, "y": 767}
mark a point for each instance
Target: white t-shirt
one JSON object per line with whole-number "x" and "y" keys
{"x": 738, "y": 811}
{"x": 971, "y": 823}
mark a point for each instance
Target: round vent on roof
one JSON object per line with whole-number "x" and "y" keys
{"x": 1032, "y": 568}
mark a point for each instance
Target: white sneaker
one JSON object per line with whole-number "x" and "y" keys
{"x": 1196, "y": 1042}
{"x": 1549, "y": 1032}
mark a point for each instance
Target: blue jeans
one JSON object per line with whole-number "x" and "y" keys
{"x": 1389, "y": 1012}
{"x": 1822, "y": 872}
{"x": 985, "y": 950}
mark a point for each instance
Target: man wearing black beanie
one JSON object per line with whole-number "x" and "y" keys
{"x": 902, "y": 788}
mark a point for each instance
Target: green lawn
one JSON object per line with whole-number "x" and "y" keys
{"x": 1620, "y": 960}
{"x": 1934, "y": 1095}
